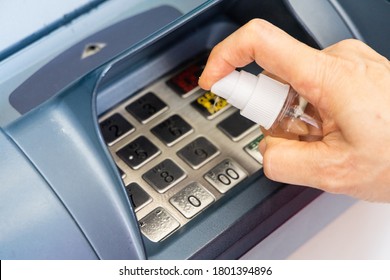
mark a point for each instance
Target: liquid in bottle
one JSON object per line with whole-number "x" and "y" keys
{"x": 275, "y": 106}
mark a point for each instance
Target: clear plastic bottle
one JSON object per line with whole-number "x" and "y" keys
{"x": 275, "y": 106}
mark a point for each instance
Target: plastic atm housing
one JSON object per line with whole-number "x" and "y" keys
{"x": 61, "y": 196}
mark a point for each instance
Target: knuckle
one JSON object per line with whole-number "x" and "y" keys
{"x": 349, "y": 43}
{"x": 317, "y": 71}
{"x": 257, "y": 25}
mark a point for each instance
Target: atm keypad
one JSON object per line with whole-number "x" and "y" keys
{"x": 180, "y": 150}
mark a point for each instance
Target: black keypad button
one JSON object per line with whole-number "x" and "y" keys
{"x": 198, "y": 152}
{"x": 164, "y": 175}
{"x": 236, "y": 126}
{"x": 172, "y": 130}
{"x": 138, "y": 197}
{"x": 138, "y": 152}
{"x": 115, "y": 127}
{"x": 146, "y": 107}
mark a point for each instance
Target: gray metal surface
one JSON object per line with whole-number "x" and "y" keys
{"x": 240, "y": 162}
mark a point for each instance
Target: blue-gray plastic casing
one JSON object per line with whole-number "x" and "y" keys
{"x": 61, "y": 194}
{"x": 29, "y": 205}
{"x": 61, "y": 141}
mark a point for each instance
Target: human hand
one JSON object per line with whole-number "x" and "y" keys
{"x": 348, "y": 83}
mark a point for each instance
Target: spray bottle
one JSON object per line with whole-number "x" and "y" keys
{"x": 275, "y": 106}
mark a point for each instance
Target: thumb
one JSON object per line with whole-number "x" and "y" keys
{"x": 294, "y": 162}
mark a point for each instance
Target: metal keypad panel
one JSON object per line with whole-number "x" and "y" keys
{"x": 179, "y": 149}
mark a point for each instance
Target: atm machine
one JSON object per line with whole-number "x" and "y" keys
{"x": 110, "y": 150}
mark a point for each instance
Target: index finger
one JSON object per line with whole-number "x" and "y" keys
{"x": 272, "y": 49}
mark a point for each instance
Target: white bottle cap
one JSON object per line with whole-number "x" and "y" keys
{"x": 260, "y": 99}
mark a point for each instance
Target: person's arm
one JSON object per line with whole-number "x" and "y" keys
{"x": 349, "y": 84}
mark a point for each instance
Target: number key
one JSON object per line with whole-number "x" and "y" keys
{"x": 226, "y": 175}
{"x": 114, "y": 128}
{"x": 138, "y": 152}
{"x": 164, "y": 175}
{"x": 146, "y": 107}
{"x": 172, "y": 130}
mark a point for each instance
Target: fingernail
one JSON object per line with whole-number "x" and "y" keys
{"x": 200, "y": 81}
